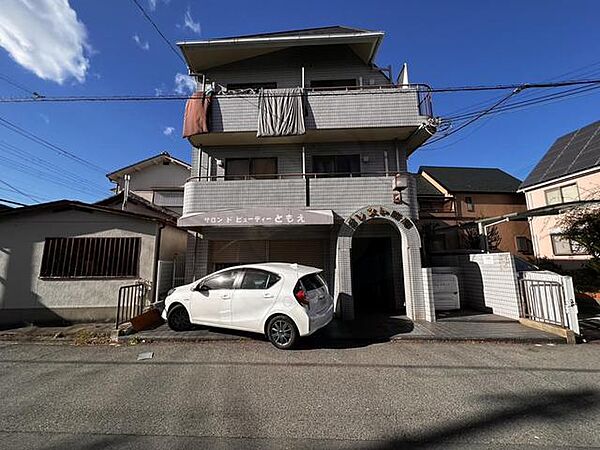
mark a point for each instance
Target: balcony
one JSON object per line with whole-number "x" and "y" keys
{"x": 353, "y": 113}
{"x": 341, "y": 194}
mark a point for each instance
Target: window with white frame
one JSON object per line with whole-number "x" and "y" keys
{"x": 562, "y": 194}
{"x": 561, "y": 246}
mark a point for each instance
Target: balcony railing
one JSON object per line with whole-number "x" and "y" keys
{"x": 332, "y": 108}
{"x": 342, "y": 193}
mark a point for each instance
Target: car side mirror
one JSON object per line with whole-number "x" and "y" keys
{"x": 202, "y": 288}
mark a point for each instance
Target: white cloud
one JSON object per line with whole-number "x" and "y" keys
{"x": 45, "y": 37}
{"x": 184, "y": 84}
{"x": 153, "y": 3}
{"x": 188, "y": 22}
{"x": 168, "y": 131}
{"x": 144, "y": 45}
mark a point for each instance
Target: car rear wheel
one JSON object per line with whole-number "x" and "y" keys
{"x": 282, "y": 332}
{"x": 178, "y": 319}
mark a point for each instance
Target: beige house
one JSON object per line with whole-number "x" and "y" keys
{"x": 66, "y": 260}
{"x": 569, "y": 175}
{"x": 452, "y": 199}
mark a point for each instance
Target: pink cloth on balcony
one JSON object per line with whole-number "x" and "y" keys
{"x": 195, "y": 119}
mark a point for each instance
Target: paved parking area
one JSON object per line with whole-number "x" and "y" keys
{"x": 463, "y": 326}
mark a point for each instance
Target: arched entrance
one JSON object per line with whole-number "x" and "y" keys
{"x": 417, "y": 308}
{"x": 376, "y": 269}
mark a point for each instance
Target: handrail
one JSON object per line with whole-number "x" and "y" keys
{"x": 300, "y": 175}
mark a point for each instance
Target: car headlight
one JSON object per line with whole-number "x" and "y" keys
{"x": 170, "y": 291}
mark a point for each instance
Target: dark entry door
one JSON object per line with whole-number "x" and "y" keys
{"x": 372, "y": 275}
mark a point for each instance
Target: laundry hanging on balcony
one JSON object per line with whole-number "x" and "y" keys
{"x": 280, "y": 112}
{"x": 195, "y": 119}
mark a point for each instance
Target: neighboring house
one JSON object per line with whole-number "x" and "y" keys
{"x": 451, "y": 199}
{"x": 159, "y": 180}
{"x": 568, "y": 173}
{"x": 66, "y": 260}
{"x": 323, "y": 181}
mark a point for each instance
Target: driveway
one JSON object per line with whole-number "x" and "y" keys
{"x": 248, "y": 394}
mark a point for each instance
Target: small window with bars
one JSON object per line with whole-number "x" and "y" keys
{"x": 97, "y": 257}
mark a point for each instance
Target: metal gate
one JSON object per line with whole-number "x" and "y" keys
{"x": 132, "y": 299}
{"x": 549, "y": 298}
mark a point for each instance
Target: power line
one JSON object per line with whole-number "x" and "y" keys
{"x": 20, "y": 86}
{"x": 373, "y": 91}
{"x": 18, "y": 191}
{"x": 38, "y": 140}
{"x": 479, "y": 116}
{"x": 164, "y": 38}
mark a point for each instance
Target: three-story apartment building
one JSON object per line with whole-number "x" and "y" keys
{"x": 300, "y": 146}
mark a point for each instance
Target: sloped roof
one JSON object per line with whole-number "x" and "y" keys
{"x": 65, "y": 205}
{"x": 153, "y": 160}
{"x": 473, "y": 179}
{"x": 117, "y": 199}
{"x": 206, "y": 54}
{"x": 426, "y": 189}
{"x": 335, "y": 29}
{"x": 574, "y": 152}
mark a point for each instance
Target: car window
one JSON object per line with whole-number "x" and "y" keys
{"x": 223, "y": 280}
{"x": 258, "y": 279}
{"x": 312, "y": 282}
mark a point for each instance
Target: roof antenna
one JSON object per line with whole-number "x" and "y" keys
{"x": 127, "y": 178}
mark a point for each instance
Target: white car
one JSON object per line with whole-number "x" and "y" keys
{"x": 283, "y": 301}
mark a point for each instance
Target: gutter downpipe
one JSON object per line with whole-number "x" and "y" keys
{"x": 157, "y": 240}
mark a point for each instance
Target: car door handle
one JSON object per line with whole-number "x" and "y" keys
{"x": 268, "y": 295}
{"x": 225, "y": 296}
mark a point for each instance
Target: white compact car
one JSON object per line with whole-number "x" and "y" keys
{"x": 283, "y": 301}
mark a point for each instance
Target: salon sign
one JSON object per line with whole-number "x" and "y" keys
{"x": 258, "y": 217}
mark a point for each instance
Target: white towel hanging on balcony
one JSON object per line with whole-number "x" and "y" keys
{"x": 280, "y": 112}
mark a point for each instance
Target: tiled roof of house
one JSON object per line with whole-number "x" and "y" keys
{"x": 425, "y": 188}
{"x": 473, "y": 179}
{"x": 574, "y": 152}
{"x": 156, "y": 159}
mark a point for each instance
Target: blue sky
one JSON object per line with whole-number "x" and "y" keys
{"x": 90, "y": 48}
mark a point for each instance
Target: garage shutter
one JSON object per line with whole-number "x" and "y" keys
{"x": 237, "y": 252}
{"x": 307, "y": 252}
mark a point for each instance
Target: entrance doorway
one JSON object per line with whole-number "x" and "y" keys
{"x": 372, "y": 275}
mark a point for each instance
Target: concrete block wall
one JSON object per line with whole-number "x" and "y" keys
{"x": 488, "y": 282}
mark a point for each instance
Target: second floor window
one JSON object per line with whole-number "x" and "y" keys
{"x": 562, "y": 246}
{"x": 470, "y": 204}
{"x": 563, "y": 194}
{"x": 524, "y": 245}
{"x": 250, "y": 168}
{"x": 337, "y": 165}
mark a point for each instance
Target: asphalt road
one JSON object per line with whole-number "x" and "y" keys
{"x": 250, "y": 395}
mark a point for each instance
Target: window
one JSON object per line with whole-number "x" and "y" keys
{"x": 258, "y": 279}
{"x": 90, "y": 257}
{"x": 312, "y": 282}
{"x": 470, "y": 204}
{"x": 337, "y": 165}
{"x": 255, "y": 86}
{"x": 564, "y": 247}
{"x": 333, "y": 83}
{"x": 223, "y": 280}
{"x": 563, "y": 194}
{"x": 244, "y": 168}
{"x": 524, "y": 245}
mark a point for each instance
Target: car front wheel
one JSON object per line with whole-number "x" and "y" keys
{"x": 282, "y": 332}
{"x": 178, "y": 319}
